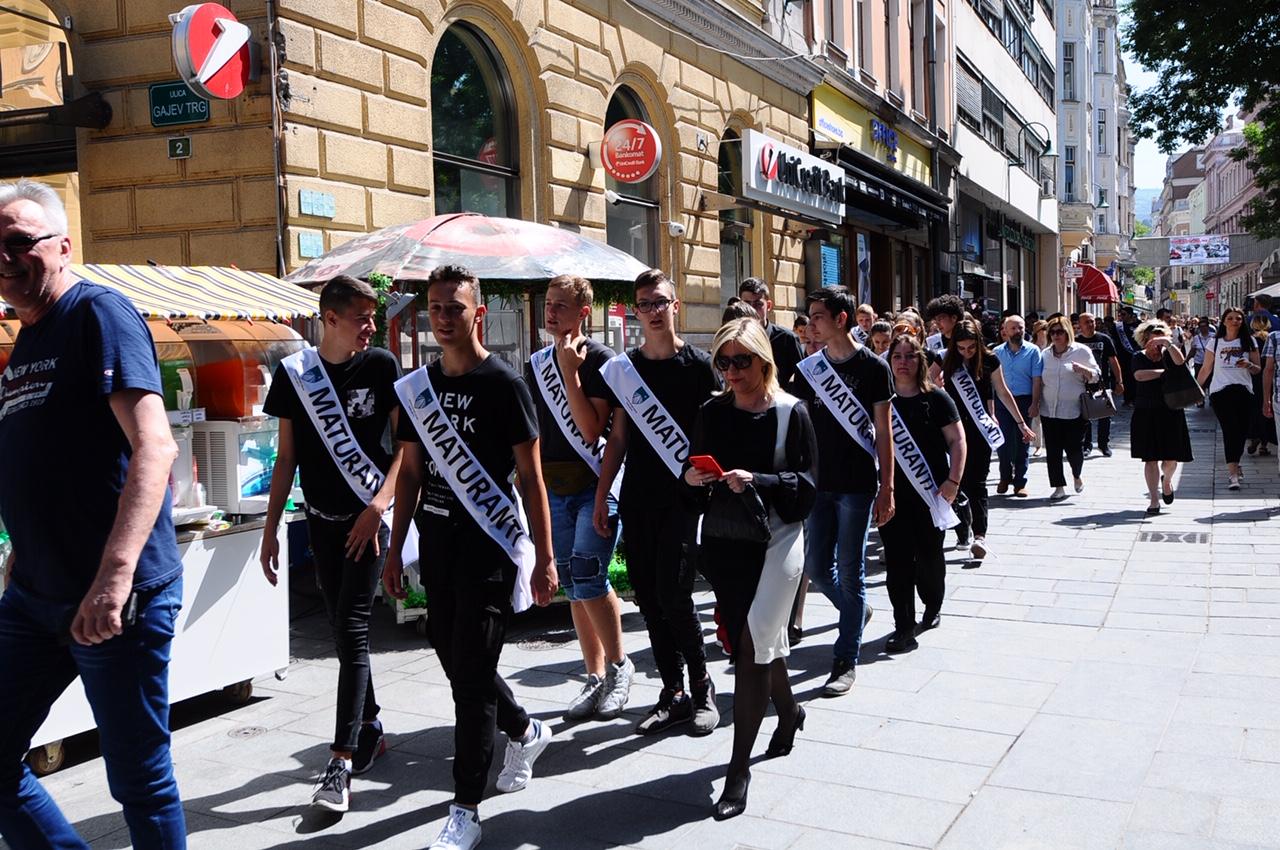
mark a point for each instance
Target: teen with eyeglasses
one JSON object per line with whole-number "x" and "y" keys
{"x": 655, "y": 392}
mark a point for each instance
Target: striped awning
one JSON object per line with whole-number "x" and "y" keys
{"x": 202, "y": 292}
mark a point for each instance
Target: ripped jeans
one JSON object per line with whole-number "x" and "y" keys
{"x": 582, "y": 555}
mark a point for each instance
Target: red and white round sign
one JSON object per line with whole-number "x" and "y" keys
{"x": 631, "y": 151}
{"x": 211, "y": 50}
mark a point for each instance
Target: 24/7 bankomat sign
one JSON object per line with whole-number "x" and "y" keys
{"x": 791, "y": 179}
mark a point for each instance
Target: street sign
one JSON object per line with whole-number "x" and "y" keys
{"x": 180, "y": 147}
{"x": 1210, "y": 295}
{"x": 175, "y": 103}
{"x": 1072, "y": 272}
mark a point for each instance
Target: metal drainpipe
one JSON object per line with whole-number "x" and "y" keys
{"x": 936, "y": 231}
{"x": 277, "y": 130}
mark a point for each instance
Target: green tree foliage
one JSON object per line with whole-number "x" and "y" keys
{"x": 1207, "y": 55}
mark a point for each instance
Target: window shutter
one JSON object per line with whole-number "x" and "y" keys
{"x": 968, "y": 94}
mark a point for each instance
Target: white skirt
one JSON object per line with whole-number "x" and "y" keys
{"x": 770, "y": 611}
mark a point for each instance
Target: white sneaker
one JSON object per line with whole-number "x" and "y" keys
{"x": 334, "y": 792}
{"x": 979, "y": 548}
{"x": 461, "y": 831}
{"x": 617, "y": 688}
{"x": 1058, "y": 494}
{"x": 1233, "y": 482}
{"x": 588, "y": 699}
{"x": 517, "y": 764}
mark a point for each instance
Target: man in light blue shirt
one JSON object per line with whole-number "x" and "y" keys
{"x": 1022, "y": 367}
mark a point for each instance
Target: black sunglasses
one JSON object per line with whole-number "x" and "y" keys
{"x": 16, "y": 246}
{"x": 737, "y": 361}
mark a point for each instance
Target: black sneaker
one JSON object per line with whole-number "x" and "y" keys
{"x": 841, "y": 680}
{"x": 900, "y": 642}
{"x": 1106, "y": 452}
{"x": 706, "y": 717}
{"x": 371, "y": 744}
{"x": 670, "y": 711}
{"x": 928, "y": 622}
{"x": 334, "y": 791}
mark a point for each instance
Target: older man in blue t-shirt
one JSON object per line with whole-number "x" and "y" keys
{"x": 95, "y": 581}
{"x": 1022, "y": 367}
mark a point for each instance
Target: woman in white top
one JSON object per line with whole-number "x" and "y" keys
{"x": 1068, "y": 366}
{"x": 1230, "y": 363}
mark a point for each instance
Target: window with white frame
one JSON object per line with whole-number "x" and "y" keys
{"x": 1102, "y": 131}
{"x": 1068, "y": 71}
{"x": 1069, "y": 173}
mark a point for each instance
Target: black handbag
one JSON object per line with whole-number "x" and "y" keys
{"x": 1097, "y": 404}
{"x": 736, "y": 516}
{"x": 1181, "y": 389}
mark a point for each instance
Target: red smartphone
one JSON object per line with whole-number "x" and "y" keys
{"x": 706, "y": 463}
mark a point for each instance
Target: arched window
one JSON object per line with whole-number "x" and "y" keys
{"x": 472, "y": 126}
{"x": 735, "y": 222}
{"x": 632, "y": 221}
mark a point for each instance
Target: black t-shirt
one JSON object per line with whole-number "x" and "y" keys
{"x": 63, "y": 456}
{"x": 682, "y": 383}
{"x": 492, "y": 411}
{"x": 787, "y": 352}
{"x": 1103, "y": 349}
{"x": 366, "y": 385}
{"x": 990, "y": 364}
{"x": 561, "y": 463}
{"x": 1150, "y": 394}
{"x": 924, "y": 415}
{"x": 846, "y": 467}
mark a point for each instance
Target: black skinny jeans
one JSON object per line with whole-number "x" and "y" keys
{"x": 348, "y": 589}
{"x": 1232, "y": 405}
{"x": 468, "y": 580}
{"x": 661, "y": 565}
{"x": 913, "y": 560}
{"x": 1063, "y": 436}
{"x": 973, "y": 484}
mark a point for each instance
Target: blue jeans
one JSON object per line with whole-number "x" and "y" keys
{"x": 835, "y": 542}
{"x": 1013, "y": 454}
{"x": 582, "y": 556}
{"x": 126, "y": 680}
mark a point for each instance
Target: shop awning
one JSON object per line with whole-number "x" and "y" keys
{"x": 202, "y": 292}
{"x": 1096, "y": 286}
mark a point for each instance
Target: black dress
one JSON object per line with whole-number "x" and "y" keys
{"x": 1156, "y": 432}
{"x": 755, "y": 584}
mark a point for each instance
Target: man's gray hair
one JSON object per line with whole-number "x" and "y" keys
{"x": 39, "y": 193}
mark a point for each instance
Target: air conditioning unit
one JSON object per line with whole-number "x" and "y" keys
{"x": 235, "y": 459}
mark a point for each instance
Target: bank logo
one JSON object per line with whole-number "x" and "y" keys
{"x": 314, "y": 375}
{"x": 424, "y": 398}
{"x": 640, "y": 396}
{"x": 769, "y": 162}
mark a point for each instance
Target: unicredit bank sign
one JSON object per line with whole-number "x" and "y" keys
{"x": 788, "y": 178}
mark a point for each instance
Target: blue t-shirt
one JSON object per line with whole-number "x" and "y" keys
{"x": 63, "y": 457}
{"x": 1020, "y": 366}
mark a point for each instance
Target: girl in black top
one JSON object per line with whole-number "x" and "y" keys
{"x": 967, "y": 351}
{"x": 912, "y": 543}
{"x": 1157, "y": 435}
{"x": 763, "y": 440}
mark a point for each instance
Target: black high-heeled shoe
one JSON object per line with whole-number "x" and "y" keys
{"x": 782, "y": 742}
{"x": 732, "y": 806}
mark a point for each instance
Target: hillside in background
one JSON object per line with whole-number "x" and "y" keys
{"x": 1142, "y": 199}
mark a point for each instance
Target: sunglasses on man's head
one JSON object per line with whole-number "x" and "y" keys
{"x": 737, "y": 361}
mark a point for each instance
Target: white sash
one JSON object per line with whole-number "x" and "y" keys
{"x": 913, "y": 462}
{"x": 840, "y": 400}
{"x": 860, "y": 335}
{"x": 1125, "y": 342}
{"x": 972, "y": 404}
{"x": 647, "y": 413}
{"x": 484, "y": 500}
{"x": 325, "y": 409}
{"x": 551, "y": 384}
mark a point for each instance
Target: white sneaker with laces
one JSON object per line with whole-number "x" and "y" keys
{"x": 588, "y": 699}
{"x": 1233, "y": 482}
{"x": 334, "y": 791}
{"x": 617, "y": 688}
{"x": 517, "y": 764}
{"x": 461, "y": 831}
{"x": 979, "y": 548}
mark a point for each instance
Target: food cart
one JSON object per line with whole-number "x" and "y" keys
{"x": 234, "y": 625}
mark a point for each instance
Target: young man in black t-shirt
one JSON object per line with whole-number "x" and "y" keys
{"x": 1107, "y": 357}
{"x": 658, "y": 531}
{"x": 572, "y": 424}
{"x": 468, "y": 576}
{"x": 348, "y": 537}
{"x": 851, "y": 492}
{"x": 787, "y": 348}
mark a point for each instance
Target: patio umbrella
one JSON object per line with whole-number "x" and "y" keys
{"x": 495, "y": 249}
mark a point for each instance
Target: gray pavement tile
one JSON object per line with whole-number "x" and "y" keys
{"x": 1146, "y": 605}
{"x": 1233, "y": 685}
{"x": 817, "y": 839}
{"x": 1227, "y": 712}
{"x": 1181, "y": 812}
{"x": 1011, "y": 819}
{"x": 1081, "y": 757}
{"x": 1157, "y": 622}
{"x": 1131, "y": 592}
{"x": 1203, "y": 739}
{"x": 1115, "y": 691}
{"x": 1244, "y": 626}
{"x": 1242, "y": 645}
{"x": 965, "y": 714}
{"x": 1066, "y": 616}
{"x": 746, "y": 832}
{"x": 1243, "y": 664}
{"x": 940, "y": 742}
{"x": 872, "y": 814}
{"x": 429, "y": 698}
{"x": 1247, "y": 821}
{"x": 1214, "y": 775}
{"x": 1262, "y": 745}
{"x": 1145, "y": 840}
{"x": 990, "y": 663}
{"x": 971, "y": 686}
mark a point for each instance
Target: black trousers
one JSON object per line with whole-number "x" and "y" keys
{"x": 661, "y": 564}
{"x": 468, "y": 580}
{"x": 1104, "y": 433}
{"x": 1232, "y": 405}
{"x": 913, "y": 561}
{"x": 1063, "y": 436}
{"x": 348, "y": 589}
{"x": 973, "y": 484}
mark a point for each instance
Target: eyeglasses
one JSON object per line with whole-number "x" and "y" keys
{"x": 17, "y": 246}
{"x": 737, "y": 361}
{"x": 659, "y": 306}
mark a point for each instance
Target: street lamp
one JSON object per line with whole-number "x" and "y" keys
{"x": 1049, "y": 152}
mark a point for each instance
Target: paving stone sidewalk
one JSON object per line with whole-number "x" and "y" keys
{"x": 1103, "y": 680}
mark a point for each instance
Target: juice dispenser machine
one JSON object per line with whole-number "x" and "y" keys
{"x": 7, "y": 337}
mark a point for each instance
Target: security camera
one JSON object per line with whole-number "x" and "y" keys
{"x": 675, "y": 228}
{"x": 612, "y": 197}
